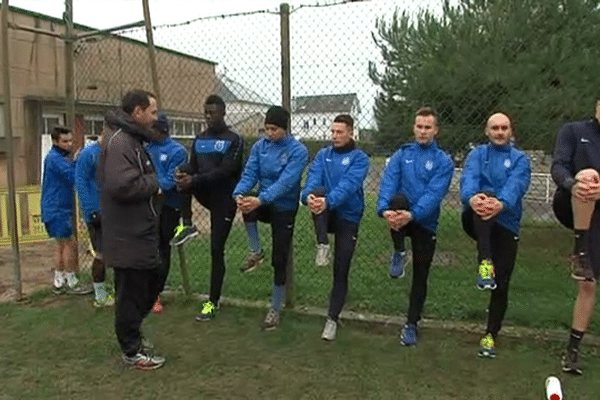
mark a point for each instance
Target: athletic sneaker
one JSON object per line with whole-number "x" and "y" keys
{"x": 408, "y": 337}
{"x": 107, "y": 301}
{"x": 485, "y": 275}
{"x": 329, "y": 330}
{"x": 581, "y": 269}
{"x": 271, "y": 320}
{"x": 183, "y": 233}
{"x": 157, "y": 308}
{"x": 486, "y": 347}
{"x": 59, "y": 284}
{"x": 323, "y": 257}
{"x": 570, "y": 362}
{"x": 398, "y": 264}
{"x": 253, "y": 259}
{"x": 208, "y": 311}
{"x": 143, "y": 361}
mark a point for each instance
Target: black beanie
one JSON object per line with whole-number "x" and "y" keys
{"x": 279, "y": 116}
{"x": 162, "y": 124}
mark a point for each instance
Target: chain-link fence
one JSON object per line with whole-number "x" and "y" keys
{"x": 377, "y": 61}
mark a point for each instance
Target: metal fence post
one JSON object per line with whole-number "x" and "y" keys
{"x": 12, "y": 203}
{"x": 286, "y": 101}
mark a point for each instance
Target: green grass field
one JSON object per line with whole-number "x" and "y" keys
{"x": 62, "y": 348}
{"x": 541, "y": 293}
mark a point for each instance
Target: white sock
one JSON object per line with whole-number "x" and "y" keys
{"x": 99, "y": 291}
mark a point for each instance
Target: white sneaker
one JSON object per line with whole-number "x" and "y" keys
{"x": 329, "y": 330}
{"x": 322, "y": 258}
{"x": 72, "y": 280}
{"x": 59, "y": 280}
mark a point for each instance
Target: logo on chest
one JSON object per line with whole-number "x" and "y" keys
{"x": 429, "y": 165}
{"x": 219, "y": 145}
{"x": 163, "y": 157}
{"x": 507, "y": 163}
{"x": 346, "y": 161}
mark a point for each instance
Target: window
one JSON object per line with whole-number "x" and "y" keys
{"x": 306, "y": 125}
{"x": 324, "y": 121}
{"x": 314, "y": 121}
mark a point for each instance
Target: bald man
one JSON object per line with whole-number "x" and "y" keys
{"x": 493, "y": 183}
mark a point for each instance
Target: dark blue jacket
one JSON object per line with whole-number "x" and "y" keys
{"x": 57, "y": 185}
{"x": 423, "y": 174}
{"x": 166, "y": 156}
{"x": 342, "y": 173}
{"x": 216, "y": 160}
{"x": 502, "y": 170}
{"x": 277, "y": 167}
{"x": 86, "y": 182}
{"x": 577, "y": 147}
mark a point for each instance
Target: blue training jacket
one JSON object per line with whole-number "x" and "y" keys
{"x": 57, "y": 185}
{"x": 88, "y": 187}
{"x": 423, "y": 174}
{"x": 502, "y": 170}
{"x": 342, "y": 173}
{"x": 277, "y": 167}
{"x": 166, "y": 156}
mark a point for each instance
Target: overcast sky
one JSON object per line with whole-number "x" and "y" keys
{"x": 331, "y": 46}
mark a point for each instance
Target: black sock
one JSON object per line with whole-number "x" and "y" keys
{"x": 581, "y": 241}
{"x": 574, "y": 339}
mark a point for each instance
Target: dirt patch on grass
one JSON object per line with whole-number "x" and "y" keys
{"x": 37, "y": 267}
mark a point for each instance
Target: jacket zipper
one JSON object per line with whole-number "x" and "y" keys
{"x": 150, "y": 202}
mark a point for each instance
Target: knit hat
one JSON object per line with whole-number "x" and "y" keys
{"x": 279, "y": 116}
{"x": 162, "y": 124}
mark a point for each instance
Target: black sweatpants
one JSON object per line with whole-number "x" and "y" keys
{"x": 222, "y": 211}
{"x": 168, "y": 221}
{"x": 282, "y": 231}
{"x": 136, "y": 291}
{"x": 423, "y": 248}
{"x": 504, "y": 244}
{"x": 345, "y": 233}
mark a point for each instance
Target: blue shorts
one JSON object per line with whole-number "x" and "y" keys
{"x": 60, "y": 228}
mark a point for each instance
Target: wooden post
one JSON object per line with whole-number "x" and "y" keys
{"x": 151, "y": 52}
{"x": 10, "y": 172}
{"x": 286, "y": 101}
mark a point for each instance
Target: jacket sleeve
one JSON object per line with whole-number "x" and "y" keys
{"x": 315, "y": 176}
{"x": 64, "y": 168}
{"x": 124, "y": 178}
{"x": 392, "y": 175}
{"x": 251, "y": 172}
{"x": 83, "y": 175}
{"x": 291, "y": 175}
{"x": 435, "y": 191}
{"x": 166, "y": 177}
{"x": 230, "y": 165}
{"x": 470, "y": 178}
{"x": 352, "y": 181}
{"x": 562, "y": 161}
{"x": 517, "y": 184}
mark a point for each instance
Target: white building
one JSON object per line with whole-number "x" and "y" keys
{"x": 312, "y": 116}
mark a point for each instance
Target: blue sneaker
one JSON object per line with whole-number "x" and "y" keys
{"x": 408, "y": 337}
{"x": 398, "y": 264}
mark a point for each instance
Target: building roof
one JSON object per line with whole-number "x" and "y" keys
{"x": 89, "y": 29}
{"x": 233, "y": 92}
{"x": 325, "y": 103}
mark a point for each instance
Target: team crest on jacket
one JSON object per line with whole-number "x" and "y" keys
{"x": 507, "y": 163}
{"x": 163, "y": 157}
{"x": 429, "y": 165}
{"x": 346, "y": 161}
{"x": 219, "y": 145}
